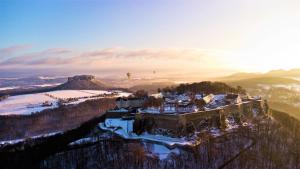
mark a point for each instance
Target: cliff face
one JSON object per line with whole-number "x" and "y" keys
{"x": 83, "y": 82}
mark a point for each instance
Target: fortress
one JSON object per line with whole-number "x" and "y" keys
{"x": 182, "y": 124}
{"x": 186, "y": 116}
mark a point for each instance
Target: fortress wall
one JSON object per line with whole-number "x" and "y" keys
{"x": 198, "y": 118}
{"x": 176, "y": 122}
{"x": 165, "y": 121}
{"x": 116, "y": 114}
{"x": 259, "y": 105}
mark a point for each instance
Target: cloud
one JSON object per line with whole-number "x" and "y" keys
{"x": 12, "y": 50}
{"x": 15, "y": 48}
{"x": 41, "y": 57}
{"x": 56, "y": 51}
{"x": 116, "y": 61}
{"x": 113, "y": 59}
{"x": 147, "y": 53}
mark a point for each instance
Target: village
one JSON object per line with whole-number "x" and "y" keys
{"x": 171, "y": 116}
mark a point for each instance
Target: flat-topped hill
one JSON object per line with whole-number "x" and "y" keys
{"x": 83, "y": 82}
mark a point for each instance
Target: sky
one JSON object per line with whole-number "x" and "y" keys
{"x": 170, "y": 37}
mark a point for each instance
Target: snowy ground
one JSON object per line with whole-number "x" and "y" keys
{"x": 124, "y": 128}
{"x": 152, "y": 149}
{"x": 32, "y": 103}
{"x": 161, "y": 151}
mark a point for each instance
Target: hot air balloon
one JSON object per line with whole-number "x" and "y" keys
{"x": 128, "y": 75}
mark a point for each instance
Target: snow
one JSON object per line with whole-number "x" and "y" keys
{"x": 157, "y": 95}
{"x": 83, "y": 141}
{"x": 50, "y": 77}
{"x": 183, "y": 97}
{"x": 9, "y": 142}
{"x": 66, "y": 94}
{"x": 31, "y": 103}
{"x": 124, "y": 128}
{"x": 122, "y": 94}
{"x": 215, "y": 132}
{"x": 126, "y": 125}
{"x": 9, "y": 88}
{"x": 25, "y": 104}
{"x": 161, "y": 151}
{"x": 47, "y": 85}
{"x": 231, "y": 124}
{"x": 154, "y": 110}
{"x": 198, "y": 97}
{"x": 121, "y": 110}
{"x": 169, "y": 108}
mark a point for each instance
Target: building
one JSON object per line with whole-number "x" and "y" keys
{"x": 207, "y": 99}
{"x": 131, "y": 102}
{"x": 169, "y": 107}
{"x": 233, "y": 99}
{"x": 186, "y": 108}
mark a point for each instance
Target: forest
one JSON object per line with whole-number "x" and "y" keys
{"x": 205, "y": 87}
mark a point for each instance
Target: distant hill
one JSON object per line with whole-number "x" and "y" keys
{"x": 30, "y": 82}
{"x": 293, "y": 73}
{"x": 285, "y": 73}
{"x": 240, "y": 76}
{"x": 273, "y": 77}
{"x": 83, "y": 82}
{"x": 262, "y": 80}
{"x": 79, "y": 82}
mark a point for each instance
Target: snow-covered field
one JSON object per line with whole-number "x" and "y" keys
{"x": 25, "y": 104}
{"x": 66, "y": 94}
{"x": 29, "y": 86}
{"x": 32, "y": 103}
